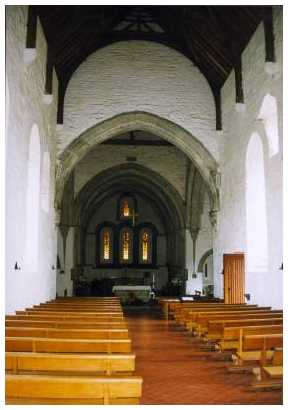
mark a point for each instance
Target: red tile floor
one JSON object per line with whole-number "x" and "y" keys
{"x": 176, "y": 371}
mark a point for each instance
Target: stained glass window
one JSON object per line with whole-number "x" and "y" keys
{"x": 145, "y": 248}
{"x": 126, "y": 210}
{"x": 145, "y": 245}
{"x": 107, "y": 245}
{"x": 126, "y": 245}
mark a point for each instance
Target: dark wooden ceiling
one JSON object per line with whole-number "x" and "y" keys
{"x": 213, "y": 37}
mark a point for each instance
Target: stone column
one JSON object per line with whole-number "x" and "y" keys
{"x": 194, "y": 235}
{"x": 217, "y": 255}
{"x": 194, "y": 281}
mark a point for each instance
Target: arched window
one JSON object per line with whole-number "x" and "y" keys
{"x": 127, "y": 208}
{"x": 126, "y": 246}
{"x": 256, "y": 217}
{"x": 268, "y": 114}
{"x": 145, "y": 248}
{"x": 33, "y": 200}
{"x": 106, "y": 245}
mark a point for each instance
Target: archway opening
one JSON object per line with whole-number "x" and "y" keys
{"x": 132, "y": 188}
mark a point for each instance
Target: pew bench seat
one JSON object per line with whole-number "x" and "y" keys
{"x": 66, "y": 333}
{"x": 21, "y": 362}
{"x": 43, "y": 389}
{"x": 66, "y": 325}
{"x": 274, "y": 372}
{"x": 258, "y": 348}
{"x": 37, "y": 344}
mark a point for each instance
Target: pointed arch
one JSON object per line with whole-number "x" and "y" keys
{"x": 163, "y": 128}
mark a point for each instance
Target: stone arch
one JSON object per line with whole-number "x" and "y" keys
{"x": 163, "y": 192}
{"x": 125, "y": 122}
{"x": 203, "y": 260}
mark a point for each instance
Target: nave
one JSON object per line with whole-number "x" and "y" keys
{"x": 176, "y": 371}
{"x": 90, "y": 351}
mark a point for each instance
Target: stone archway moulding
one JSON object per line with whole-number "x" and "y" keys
{"x": 203, "y": 260}
{"x": 147, "y": 180}
{"x": 169, "y": 131}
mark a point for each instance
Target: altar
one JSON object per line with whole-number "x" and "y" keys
{"x": 130, "y": 294}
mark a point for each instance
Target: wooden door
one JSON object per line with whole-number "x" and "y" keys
{"x": 234, "y": 278}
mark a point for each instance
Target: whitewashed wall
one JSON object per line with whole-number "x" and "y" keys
{"x": 139, "y": 76}
{"x": 26, "y": 108}
{"x": 265, "y": 287}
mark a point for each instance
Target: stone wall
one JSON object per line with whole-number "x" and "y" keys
{"x": 264, "y": 287}
{"x": 139, "y": 76}
{"x": 26, "y": 108}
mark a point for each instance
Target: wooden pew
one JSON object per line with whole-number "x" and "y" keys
{"x": 200, "y": 321}
{"x": 229, "y": 338}
{"x": 84, "y": 298}
{"x": 185, "y": 316}
{"x": 215, "y": 327}
{"x": 170, "y": 305}
{"x": 79, "y": 364}
{"x": 257, "y": 347}
{"x": 37, "y": 344}
{"x": 81, "y": 303}
{"x": 74, "y": 309}
{"x": 62, "y": 318}
{"x": 61, "y": 324}
{"x": 42, "y": 389}
{"x": 81, "y": 315}
{"x": 174, "y": 308}
{"x": 165, "y": 305}
{"x": 67, "y": 333}
{"x": 271, "y": 376}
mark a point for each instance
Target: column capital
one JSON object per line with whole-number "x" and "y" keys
{"x": 194, "y": 233}
{"x": 213, "y": 215}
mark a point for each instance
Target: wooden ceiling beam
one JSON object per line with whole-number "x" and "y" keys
{"x": 269, "y": 34}
{"x": 31, "y": 27}
{"x": 138, "y": 142}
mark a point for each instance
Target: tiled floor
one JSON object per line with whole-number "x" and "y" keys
{"x": 176, "y": 371}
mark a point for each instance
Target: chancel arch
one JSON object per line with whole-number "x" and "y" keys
{"x": 156, "y": 211}
{"x": 163, "y": 128}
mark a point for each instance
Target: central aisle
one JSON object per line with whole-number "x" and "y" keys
{"x": 176, "y": 371}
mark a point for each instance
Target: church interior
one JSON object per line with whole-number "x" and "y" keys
{"x": 144, "y": 197}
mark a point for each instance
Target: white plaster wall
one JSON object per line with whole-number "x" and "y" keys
{"x": 266, "y": 287}
{"x": 169, "y": 162}
{"x": 26, "y": 87}
{"x": 139, "y": 76}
